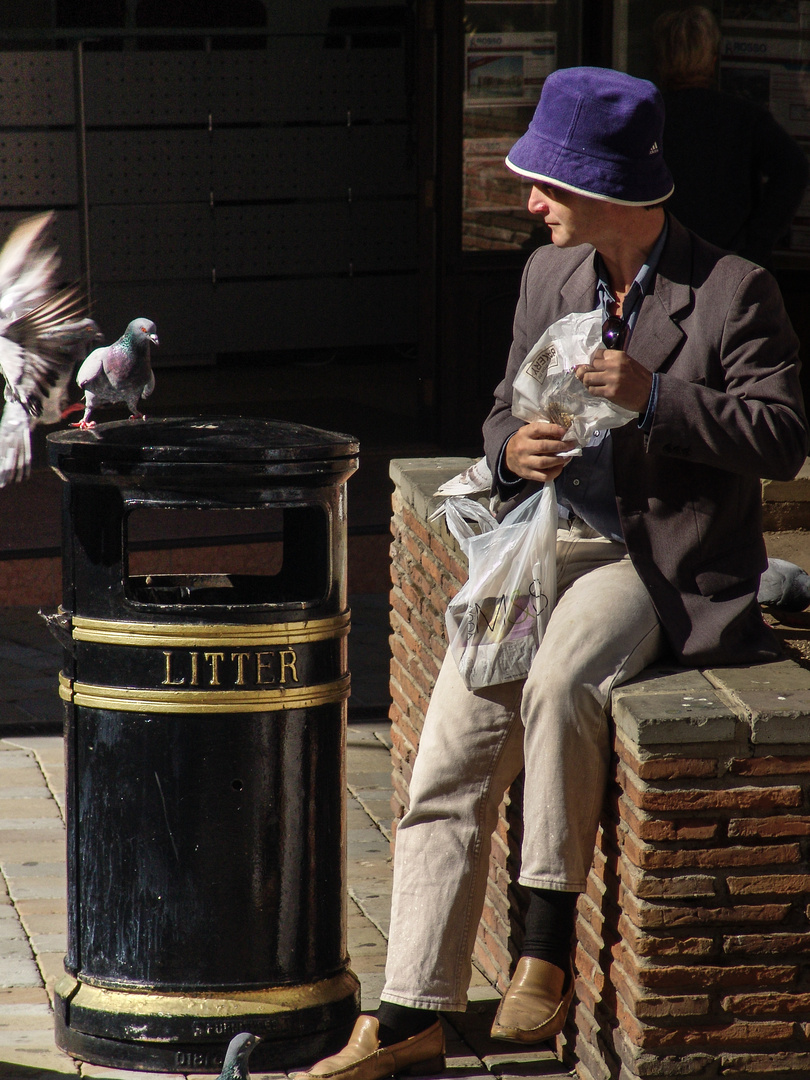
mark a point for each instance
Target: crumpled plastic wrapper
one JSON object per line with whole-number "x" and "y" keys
{"x": 546, "y": 387}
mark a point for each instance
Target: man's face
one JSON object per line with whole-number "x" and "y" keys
{"x": 572, "y": 219}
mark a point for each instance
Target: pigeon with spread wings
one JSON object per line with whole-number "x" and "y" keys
{"x": 60, "y": 350}
{"x": 41, "y": 339}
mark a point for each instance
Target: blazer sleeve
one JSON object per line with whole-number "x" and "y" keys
{"x": 500, "y": 425}
{"x": 745, "y": 413}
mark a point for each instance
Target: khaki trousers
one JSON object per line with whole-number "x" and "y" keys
{"x": 603, "y": 631}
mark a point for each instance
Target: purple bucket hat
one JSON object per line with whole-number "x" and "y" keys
{"x": 597, "y": 132}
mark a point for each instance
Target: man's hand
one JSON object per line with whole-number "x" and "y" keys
{"x": 531, "y": 451}
{"x": 614, "y": 375}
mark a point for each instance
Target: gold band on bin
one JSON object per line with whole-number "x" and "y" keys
{"x": 206, "y": 1005}
{"x": 125, "y": 699}
{"x": 177, "y": 635}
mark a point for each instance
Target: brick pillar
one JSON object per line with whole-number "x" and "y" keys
{"x": 693, "y": 935}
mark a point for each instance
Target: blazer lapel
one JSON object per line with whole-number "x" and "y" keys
{"x": 579, "y": 290}
{"x": 657, "y": 332}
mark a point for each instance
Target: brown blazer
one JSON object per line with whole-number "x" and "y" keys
{"x": 729, "y": 412}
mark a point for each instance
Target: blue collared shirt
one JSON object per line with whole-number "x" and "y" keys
{"x": 585, "y": 487}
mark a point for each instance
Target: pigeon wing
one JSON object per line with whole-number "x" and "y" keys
{"x": 67, "y": 344}
{"x": 31, "y": 365}
{"x": 15, "y": 443}
{"x": 27, "y": 267}
{"x": 91, "y": 368}
{"x": 12, "y": 362}
{"x": 150, "y": 384}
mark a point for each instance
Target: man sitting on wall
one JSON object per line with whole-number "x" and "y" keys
{"x": 659, "y": 547}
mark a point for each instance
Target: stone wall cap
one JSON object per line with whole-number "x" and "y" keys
{"x": 416, "y": 479}
{"x": 795, "y": 490}
{"x": 773, "y": 698}
{"x": 690, "y": 716}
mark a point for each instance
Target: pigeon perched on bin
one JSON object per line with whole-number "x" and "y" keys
{"x": 235, "y": 1066}
{"x": 785, "y": 586}
{"x": 41, "y": 340}
{"x": 121, "y": 372}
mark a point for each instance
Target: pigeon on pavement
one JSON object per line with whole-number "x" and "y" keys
{"x": 121, "y": 372}
{"x": 39, "y": 336}
{"x": 235, "y": 1066}
{"x": 784, "y": 585}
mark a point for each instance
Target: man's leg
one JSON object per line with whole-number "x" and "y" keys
{"x": 470, "y": 751}
{"x": 603, "y": 631}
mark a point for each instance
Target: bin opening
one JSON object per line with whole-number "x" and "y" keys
{"x": 184, "y": 557}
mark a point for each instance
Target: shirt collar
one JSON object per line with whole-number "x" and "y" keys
{"x": 642, "y": 283}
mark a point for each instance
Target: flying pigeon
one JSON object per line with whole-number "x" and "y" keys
{"x": 39, "y": 336}
{"x": 44, "y": 388}
{"x": 235, "y": 1066}
{"x": 784, "y": 585}
{"x": 119, "y": 372}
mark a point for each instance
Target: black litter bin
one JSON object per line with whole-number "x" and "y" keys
{"x": 205, "y": 744}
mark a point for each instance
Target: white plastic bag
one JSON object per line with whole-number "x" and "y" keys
{"x": 497, "y": 620}
{"x": 546, "y": 387}
{"x": 474, "y": 480}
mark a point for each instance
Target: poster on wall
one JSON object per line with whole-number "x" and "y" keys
{"x": 764, "y": 49}
{"x": 780, "y": 81}
{"x": 488, "y": 184}
{"x": 767, "y": 14}
{"x": 510, "y": 48}
{"x": 507, "y": 68}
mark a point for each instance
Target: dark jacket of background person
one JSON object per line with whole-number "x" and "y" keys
{"x": 728, "y": 412}
{"x": 739, "y": 177}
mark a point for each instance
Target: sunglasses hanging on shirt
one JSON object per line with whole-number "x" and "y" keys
{"x": 614, "y": 332}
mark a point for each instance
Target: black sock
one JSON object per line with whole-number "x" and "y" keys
{"x": 399, "y": 1022}
{"x": 549, "y": 928}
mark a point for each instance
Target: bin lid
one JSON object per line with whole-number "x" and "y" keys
{"x": 201, "y": 440}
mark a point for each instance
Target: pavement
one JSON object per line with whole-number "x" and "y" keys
{"x": 32, "y": 860}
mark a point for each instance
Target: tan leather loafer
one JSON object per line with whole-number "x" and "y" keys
{"x": 534, "y": 1007}
{"x": 362, "y": 1058}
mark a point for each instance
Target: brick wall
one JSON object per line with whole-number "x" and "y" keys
{"x": 786, "y": 504}
{"x": 693, "y": 934}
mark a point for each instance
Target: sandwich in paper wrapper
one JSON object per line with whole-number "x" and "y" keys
{"x": 546, "y": 387}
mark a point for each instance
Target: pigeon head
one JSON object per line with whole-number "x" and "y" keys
{"x": 235, "y": 1064}
{"x": 90, "y": 332}
{"x": 141, "y": 331}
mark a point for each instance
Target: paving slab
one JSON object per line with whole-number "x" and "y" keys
{"x": 102, "y": 1072}
{"x": 33, "y": 908}
{"x": 30, "y": 1062}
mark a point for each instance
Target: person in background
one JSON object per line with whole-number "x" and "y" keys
{"x": 739, "y": 176}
